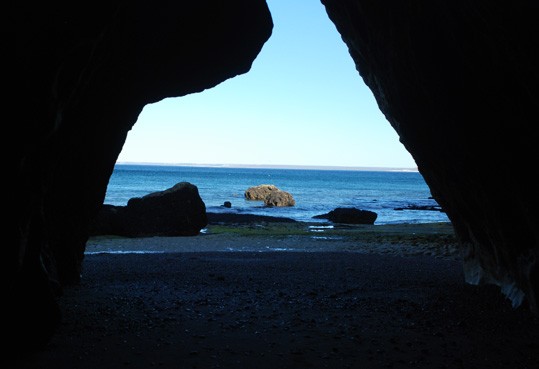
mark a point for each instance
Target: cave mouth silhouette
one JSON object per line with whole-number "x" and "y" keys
{"x": 295, "y": 87}
{"x": 78, "y": 113}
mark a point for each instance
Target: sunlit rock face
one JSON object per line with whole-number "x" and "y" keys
{"x": 83, "y": 73}
{"x": 458, "y": 82}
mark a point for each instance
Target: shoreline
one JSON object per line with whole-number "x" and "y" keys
{"x": 435, "y": 239}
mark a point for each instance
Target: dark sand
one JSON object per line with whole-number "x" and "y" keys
{"x": 338, "y": 308}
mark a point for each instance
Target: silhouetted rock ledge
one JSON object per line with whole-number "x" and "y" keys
{"x": 349, "y": 216}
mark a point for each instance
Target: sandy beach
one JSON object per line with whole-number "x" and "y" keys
{"x": 286, "y": 296}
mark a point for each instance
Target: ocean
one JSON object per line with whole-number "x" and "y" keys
{"x": 316, "y": 191}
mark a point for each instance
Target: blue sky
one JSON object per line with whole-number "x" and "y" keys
{"x": 302, "y": 103}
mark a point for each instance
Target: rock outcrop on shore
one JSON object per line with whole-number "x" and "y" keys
{"x": 349, "y": 216}
{"x": 176, "y": 211}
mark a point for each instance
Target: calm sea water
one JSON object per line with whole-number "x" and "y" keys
{"x": 315, "y": 191}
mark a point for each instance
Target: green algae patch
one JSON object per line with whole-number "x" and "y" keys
{"x": 260, "y": 229}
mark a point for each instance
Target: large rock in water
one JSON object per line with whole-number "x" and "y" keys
{"x": 177, "y": 211}
{"x": 279, "y": 198}
{"x": 260, "y": 192}
{"x": 270, "y": 194}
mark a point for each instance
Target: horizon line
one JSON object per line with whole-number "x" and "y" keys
{"x": 276, "y": 166}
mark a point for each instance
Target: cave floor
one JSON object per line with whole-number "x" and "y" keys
{"x": 284, "y": 310}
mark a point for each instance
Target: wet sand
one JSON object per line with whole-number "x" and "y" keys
{"x": 323, "y": 303}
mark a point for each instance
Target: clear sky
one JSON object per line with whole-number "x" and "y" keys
{"x": 302, "y": 103}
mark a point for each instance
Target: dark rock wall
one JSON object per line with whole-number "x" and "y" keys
{"x": 458, "y": 81}
{"x": 83, "y": 73}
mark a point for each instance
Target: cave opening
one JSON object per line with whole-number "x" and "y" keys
{"x": 303, "y": 105}
{"x": 301, "y": 109}
{"x": 214, "y": 307}
{"x": 218, "y": 309}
